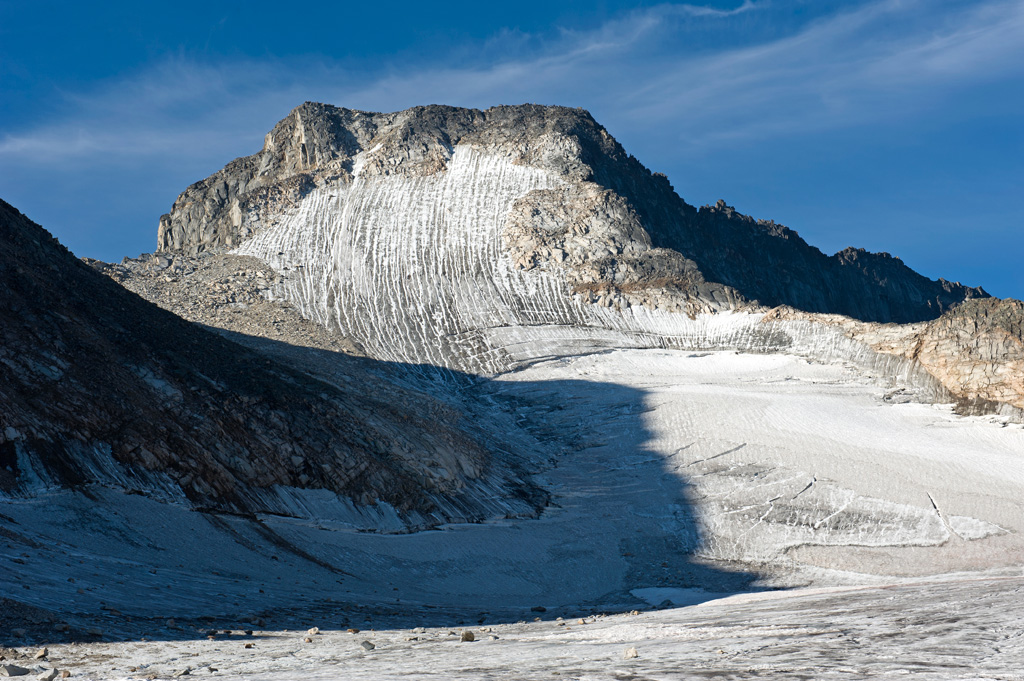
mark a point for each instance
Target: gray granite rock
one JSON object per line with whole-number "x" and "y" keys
{"x": 706, "y": 259}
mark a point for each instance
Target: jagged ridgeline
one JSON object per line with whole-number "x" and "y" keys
{"x": 479, "y": 240}
{"x": 99, "y": 386}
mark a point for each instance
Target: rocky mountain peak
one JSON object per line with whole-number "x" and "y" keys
{"x": 715, "y": 258}
{"x": 319, "y": 144}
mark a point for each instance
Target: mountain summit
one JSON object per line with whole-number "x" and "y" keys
{"x": 563, "y": 195}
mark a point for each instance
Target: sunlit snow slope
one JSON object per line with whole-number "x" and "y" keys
{"x": 415, "y": 270}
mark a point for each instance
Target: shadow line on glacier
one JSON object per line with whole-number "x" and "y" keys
{"x": 620, "y": 518}
{"x": 618, "y": 534}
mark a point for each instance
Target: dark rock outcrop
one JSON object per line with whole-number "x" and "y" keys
{"x": 772, "y": 264}
{"x": 94, "y": 378}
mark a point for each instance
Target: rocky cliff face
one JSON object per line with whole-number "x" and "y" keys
{"x": 771, "y": 263}
{"x": 976, "y": 349}
{"x": 100, "y": 386}
{"x": 644, "y": 245}
{"x": 483, "y": 240}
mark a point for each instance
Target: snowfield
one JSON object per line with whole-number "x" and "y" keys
{"x": 893, "y": 530}
{"x": 962, "y": 628}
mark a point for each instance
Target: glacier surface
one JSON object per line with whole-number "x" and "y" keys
{"x": 682, "y": 477}
{"x": 687, "y": 458}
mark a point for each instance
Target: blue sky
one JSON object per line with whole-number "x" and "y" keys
{"x": 894, "y": 125}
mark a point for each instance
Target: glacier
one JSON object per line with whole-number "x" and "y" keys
{"x": 682, "y": 476}
{"x": 690, "y": 457}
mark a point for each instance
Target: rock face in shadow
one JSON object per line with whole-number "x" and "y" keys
{"x": 98, "y": 385}
{"x": 771, "y": 263}
{"x": 633, "y": 239}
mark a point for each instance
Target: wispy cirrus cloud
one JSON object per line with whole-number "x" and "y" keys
{"x": 881, "y": 59}
{"x": 688, "y": 89}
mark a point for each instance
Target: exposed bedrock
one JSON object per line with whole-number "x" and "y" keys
{"x": 596, "y": 238}
{"x": 320, "y": 146}
{"x": 484, "y": 240}
{"x": 975, "y": 350}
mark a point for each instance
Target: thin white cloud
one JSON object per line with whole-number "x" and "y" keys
{"x": 637, "y": 26}
{"x": 880, "y": 61}
{"x": 883, "y": 59}
{"x": 702, "y": 11}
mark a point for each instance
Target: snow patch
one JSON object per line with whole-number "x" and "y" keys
{"x": 972, "y": 528}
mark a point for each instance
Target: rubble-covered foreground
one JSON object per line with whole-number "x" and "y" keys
{"x": 959, "y": 627}
{"x": 676, "y": 478}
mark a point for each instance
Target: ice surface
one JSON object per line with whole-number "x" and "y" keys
{"x": 972, "y": 528}
{"x": 678, "y": 476}
{"x": 413, "y": 267}
{"x": 676, "y": 470}
{"x": 958, "y": 628}
{"x": 660, "y": 595}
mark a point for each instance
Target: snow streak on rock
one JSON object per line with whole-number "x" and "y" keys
{"x": 414, "y": 269}
{"x": 412, "y": 266}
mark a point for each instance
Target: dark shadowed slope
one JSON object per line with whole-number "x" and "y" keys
{"x": 98, "y": 385}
